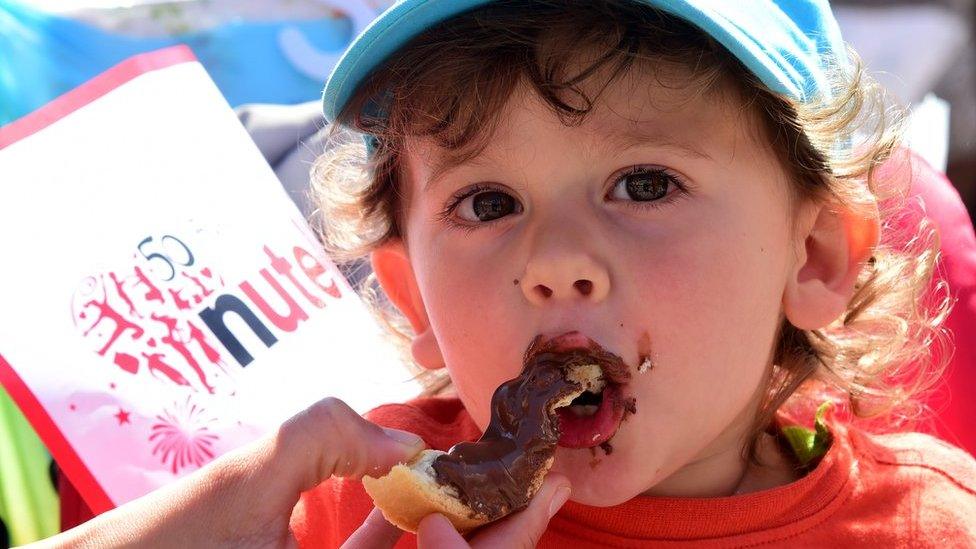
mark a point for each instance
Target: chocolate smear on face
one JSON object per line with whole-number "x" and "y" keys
{"x": 494, "y": 475}
{"x": 644, "y": 362}
{"x": 630, "y": 406}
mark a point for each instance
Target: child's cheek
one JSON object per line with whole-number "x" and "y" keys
{"x": 471, "y": 312}
{"x": 709, "y": 295}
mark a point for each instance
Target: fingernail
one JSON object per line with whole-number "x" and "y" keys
{"x": 558, "y": 499}
{"x": 405, "y": 438}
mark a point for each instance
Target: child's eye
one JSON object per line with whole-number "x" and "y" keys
{"x": 482, "y": 204}
{"x": 646, "y": 184}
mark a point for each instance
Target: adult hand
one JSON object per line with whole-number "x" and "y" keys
{"x": 245, "y": 498}
{"x": 522, "y": 529}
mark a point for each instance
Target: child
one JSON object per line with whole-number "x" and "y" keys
{"x": 688, "y": 185}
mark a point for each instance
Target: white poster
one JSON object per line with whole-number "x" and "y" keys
{"x": 163, "y": 301}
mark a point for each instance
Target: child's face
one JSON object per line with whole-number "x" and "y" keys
{"x": 695, "y": 276}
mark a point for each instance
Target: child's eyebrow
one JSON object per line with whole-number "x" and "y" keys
{"x": 444, "y": 166}
{"x": 615, "y": 141}
{"x": 636, "y": 136}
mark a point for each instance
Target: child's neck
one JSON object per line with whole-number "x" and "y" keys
{"x": 726, "y": 473}
{"x": 778, "y": 468}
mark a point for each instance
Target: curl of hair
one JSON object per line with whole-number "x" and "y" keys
{"x": 889, "y": 348}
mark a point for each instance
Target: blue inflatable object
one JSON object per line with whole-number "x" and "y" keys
{"x": 43, "y": 55}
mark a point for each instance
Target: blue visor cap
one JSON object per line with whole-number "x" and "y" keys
{"x": 788, "y": 44}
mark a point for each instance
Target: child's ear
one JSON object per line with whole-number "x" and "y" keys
{"x": 395, "y": 275}
{"x": 832, "y": 245}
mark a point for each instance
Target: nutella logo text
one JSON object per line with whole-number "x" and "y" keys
{"x": 314, "y": 283}
{"x": 166, "y": 316}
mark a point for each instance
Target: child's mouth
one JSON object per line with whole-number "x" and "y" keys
{"x": 592, "y": 418}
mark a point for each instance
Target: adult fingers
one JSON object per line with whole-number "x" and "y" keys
{"x": 435, "y": 531}
{"x": 375, "y": 533}
{"x": 330, "y": 439}
{"x": 523, "y": 529}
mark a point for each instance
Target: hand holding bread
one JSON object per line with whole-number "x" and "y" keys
{"x": 246, "y": 497}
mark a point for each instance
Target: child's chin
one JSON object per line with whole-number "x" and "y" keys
{"x": 596, "y": 480}
{"x": 601, "y": 495}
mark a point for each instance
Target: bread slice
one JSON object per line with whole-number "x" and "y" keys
{"x": 410, "y": 492}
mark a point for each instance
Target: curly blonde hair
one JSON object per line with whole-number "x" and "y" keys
{"x": 450, "y": 83}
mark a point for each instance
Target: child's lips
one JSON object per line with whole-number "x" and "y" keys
{"x": 613, "y": 367}
{"x": 587, "y": 431}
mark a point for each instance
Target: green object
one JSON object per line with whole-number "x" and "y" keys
{"x": 28, "y": 502}
{"x": 810, "y": 445}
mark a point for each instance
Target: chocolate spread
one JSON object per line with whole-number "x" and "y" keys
{"x": 494, "y": 475}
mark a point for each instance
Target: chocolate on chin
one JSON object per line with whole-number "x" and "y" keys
{"x": 479, "y": 482}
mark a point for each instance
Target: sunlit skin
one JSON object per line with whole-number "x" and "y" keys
{"x": 703, "y": 261}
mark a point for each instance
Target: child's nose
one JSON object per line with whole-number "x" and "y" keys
{"x": 564, "y": 277}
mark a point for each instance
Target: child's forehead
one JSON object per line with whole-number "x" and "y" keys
{"x": 637, "y": 110}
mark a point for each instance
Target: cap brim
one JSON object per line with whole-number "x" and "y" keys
{"x": 763, "y": 38}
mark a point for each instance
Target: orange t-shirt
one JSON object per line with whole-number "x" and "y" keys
{"x": 893, "y": 490}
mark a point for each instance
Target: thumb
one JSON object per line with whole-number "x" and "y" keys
{"x": 330, "y": 439}
{"x": 523, "y": 529}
